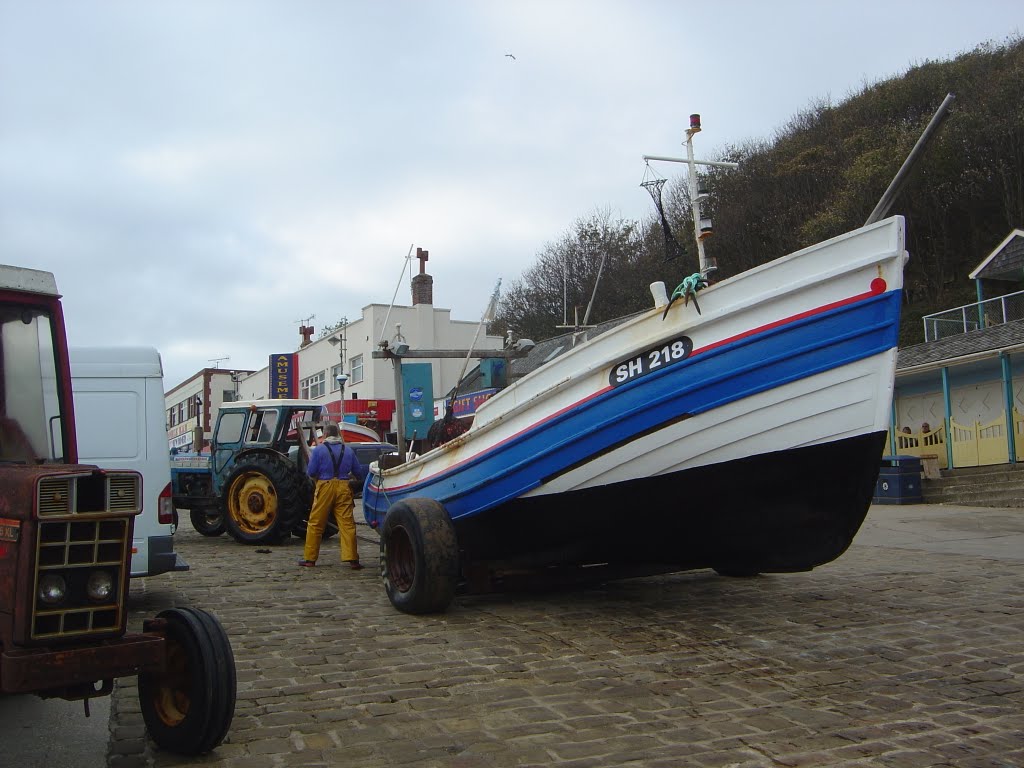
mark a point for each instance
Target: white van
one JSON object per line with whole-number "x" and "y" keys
{"x": 121, "y": 424}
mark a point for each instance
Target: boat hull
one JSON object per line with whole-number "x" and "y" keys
{"x": 696, "y": 426}
{"x": 784, "y": 511}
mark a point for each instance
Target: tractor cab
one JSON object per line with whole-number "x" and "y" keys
{"x": 35, "y": 382}
{"x": 259, "y": 453}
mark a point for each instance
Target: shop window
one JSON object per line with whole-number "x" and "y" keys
{"x": 314, "y": 386}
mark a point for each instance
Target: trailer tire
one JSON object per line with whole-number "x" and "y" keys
{"x": 207, "y": 519}
{"x": 419, "y": 556}
{"x": 262, "y": 499}
{"x": 189, "y": 707}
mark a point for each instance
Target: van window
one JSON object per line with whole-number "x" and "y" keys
{"x": 101, "y": 437}
{"x": 230, "y": 426}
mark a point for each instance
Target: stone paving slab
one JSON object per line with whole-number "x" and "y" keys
{"x": 893, "y": 656}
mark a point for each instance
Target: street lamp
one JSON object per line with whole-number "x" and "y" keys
{"x": 342, "y": 378}
{"x": 339, "y": 342}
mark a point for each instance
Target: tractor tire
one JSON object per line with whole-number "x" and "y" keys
{"x": 299, "y": 531}
{"x": 189, "y": 707}
{"x": 419, "y": 556}
{"x": 207, "y": 519}
{"x": 262, "y": 499}
{"x": 303, "y": 522}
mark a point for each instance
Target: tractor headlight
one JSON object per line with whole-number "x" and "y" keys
{"x": 100, "y": 586}
{"x": 52, "y": 589}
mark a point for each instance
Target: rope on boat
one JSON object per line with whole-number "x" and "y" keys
{"x": 687, "y": 290}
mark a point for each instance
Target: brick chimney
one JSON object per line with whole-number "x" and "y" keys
{"x": 422, "y": 284}
{"x": 306, "y": 332}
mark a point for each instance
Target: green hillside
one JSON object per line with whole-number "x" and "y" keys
{"x": 820, "y": 176}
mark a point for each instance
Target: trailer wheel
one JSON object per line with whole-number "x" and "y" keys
{"x": 207, "y": 519}
{"x": 189, "y": 706}
{"x": 262, "y": 500}
{"x": 419, "y": 556}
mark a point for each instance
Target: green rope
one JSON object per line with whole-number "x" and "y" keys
{"x": 687, "y": 290}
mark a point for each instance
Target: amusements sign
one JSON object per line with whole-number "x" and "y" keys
{"x": 284, "y": 376}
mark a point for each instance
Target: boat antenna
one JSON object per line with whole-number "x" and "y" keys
{"x": 408, "y": 261}
{"x": 578, "y": 328}
{"x": 565, "y": 290}
{"x": 597, "y": 280}
{"x": 701, "y": 225}
{"x": 900, "y": 180}
{"x": 486, "y": 317}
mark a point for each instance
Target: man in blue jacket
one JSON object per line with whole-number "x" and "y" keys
{"x": 330, "y": 466}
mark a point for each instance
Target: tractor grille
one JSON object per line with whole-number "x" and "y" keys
{"x": 95, "y": 492}
{"x": 54, "y": 496}
{"x": 83, "y": 548}
{"x": 70, "y": 554}
{"x": 123, "y": 493}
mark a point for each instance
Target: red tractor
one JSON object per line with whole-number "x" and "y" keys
{"x": 65, "y": 551}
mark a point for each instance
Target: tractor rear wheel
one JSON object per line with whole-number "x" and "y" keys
{"x": 303, "y": 522}
{"x": 262, "y": 499}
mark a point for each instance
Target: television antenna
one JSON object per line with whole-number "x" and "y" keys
{"x": 306, "y": 321}
{"x": 218, "y": 360}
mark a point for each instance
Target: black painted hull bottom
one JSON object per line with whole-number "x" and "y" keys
{"x": 778, "y": 512}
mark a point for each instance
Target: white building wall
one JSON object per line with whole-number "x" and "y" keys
{"x": 422, "y": 327}
{"x": 213, "y": 386}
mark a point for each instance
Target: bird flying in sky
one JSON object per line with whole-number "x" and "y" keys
{"x": 510, "y": 56}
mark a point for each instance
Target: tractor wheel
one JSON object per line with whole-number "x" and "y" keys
{"x": 303, "y": 522}
{"x": 330, "y": 529}
{"x": 419, "y": 556}
{"x": 262, "y": 499}
{"x": 207, "y": 519}
{"x": 189, "y": 706}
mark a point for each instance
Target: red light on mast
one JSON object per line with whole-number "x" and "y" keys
{"x": 695, "y": 122}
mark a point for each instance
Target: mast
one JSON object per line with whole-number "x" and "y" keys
{"x": 701, "y": 225}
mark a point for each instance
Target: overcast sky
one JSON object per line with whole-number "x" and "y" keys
{"x": 202, "y": 175}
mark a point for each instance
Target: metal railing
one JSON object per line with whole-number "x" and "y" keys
{"x": 971, "y": 317}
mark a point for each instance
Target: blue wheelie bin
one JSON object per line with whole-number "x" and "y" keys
{"x": 899, "y": 481}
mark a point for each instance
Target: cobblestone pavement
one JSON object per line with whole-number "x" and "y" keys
{"x": 897, "y": 654}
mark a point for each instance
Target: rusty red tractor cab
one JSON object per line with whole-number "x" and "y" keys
{"x": 65, "y": 552}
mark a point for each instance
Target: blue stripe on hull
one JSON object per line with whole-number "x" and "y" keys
{"x": 706, "y": 380}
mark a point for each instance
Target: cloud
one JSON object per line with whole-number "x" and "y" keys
{"x": 201, "y": 176}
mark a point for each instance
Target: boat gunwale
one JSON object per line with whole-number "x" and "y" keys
{"x": 738, "y": 342}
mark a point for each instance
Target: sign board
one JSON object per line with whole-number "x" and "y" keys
{"x": 466, "y": 405}
{"x": 284, "y": 376}
{"x": 418, "y": 398}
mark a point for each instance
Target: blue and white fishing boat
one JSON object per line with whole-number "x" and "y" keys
{"x": 745, "y": 437}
